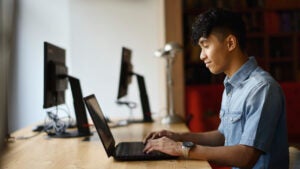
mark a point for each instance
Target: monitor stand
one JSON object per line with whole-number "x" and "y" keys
{"x": 144, "y": 101}
{"x": 80, "y": 113}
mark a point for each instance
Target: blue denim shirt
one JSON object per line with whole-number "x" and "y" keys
{"x": 253, "y": 114}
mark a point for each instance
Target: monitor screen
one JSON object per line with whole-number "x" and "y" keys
{"x": 100, "y": 123}
{"x": 126, "y": 72}
{"x": 55, "y": 72}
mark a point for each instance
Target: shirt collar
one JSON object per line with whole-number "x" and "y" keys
{"x": 242, "y": 74}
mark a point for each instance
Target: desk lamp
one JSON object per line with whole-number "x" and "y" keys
{"x": 169, "y": 52}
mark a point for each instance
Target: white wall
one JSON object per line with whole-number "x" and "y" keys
{"x": 99, "y": 29}
{"x": 92, "y": 32}
{"x": 38, "y": 21}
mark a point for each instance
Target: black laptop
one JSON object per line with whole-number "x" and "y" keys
{"x": 126, "y": 151}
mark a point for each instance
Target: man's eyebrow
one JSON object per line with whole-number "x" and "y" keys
{"x": 202, "y": 40}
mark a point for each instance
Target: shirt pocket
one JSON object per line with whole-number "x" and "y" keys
{"x": 233, "y": 117}
{"x": 232, "y": 127}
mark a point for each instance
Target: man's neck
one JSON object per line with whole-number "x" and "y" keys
{"x": 238, "y": 60}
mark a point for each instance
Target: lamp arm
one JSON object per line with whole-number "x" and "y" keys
{"x": 170, "y": 85}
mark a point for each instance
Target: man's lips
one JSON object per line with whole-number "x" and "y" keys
{"x": 207, "y": 64}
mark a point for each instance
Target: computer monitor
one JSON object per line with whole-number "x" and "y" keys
{"x": 56, "y": 78}
{"x": 126, "y": 73}
{"x": 55, "y": 71}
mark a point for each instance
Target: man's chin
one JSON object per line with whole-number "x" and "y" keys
{"x": 214, "y": 72}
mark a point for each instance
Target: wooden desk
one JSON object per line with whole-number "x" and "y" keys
{"x": 42, "y": 152}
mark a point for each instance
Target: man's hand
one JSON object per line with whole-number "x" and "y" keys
{"x": 160, "y": 134}
{"x": 165, "y": 145}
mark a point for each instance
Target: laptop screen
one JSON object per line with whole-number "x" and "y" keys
{"x": 100, "y": 124}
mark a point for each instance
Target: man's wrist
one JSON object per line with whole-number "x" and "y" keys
{"x": 186, "y": 147}
{"x": 185, "y": 152}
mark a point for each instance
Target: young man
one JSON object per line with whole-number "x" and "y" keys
{"x": 252, "y": 132}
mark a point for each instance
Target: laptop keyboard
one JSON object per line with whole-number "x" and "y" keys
{"x": 134, "y": 151}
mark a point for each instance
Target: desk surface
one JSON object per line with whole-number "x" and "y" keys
{"x": 42, "y": 152}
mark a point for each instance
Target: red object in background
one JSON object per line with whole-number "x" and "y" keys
{"x": 292, "y": 96}
{"x": 203, "y": 106}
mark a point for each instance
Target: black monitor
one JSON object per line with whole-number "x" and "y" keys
{"x": 126, "y": 73}
{"x": 56, "y": 80}
{"x": 55, "y": 69}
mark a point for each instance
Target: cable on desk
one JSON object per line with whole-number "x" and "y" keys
{"x": 12, "y": 139}
{"x": 27, "y": 137}
{"x": 55, "y": 124}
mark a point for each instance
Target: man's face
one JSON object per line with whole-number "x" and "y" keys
{"x": 214, "y": 53}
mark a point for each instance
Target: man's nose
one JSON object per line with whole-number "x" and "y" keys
{"x": 202, "y": 55}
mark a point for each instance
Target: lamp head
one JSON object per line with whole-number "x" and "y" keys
{"x": 172, "y": 47}
{"x": 169, "y": 48}
{"x": 160, "y": 53}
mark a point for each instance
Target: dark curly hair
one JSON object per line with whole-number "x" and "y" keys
{"x": 220, "y": 21}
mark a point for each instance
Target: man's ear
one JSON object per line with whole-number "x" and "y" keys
{"x": 231, "y": 42}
